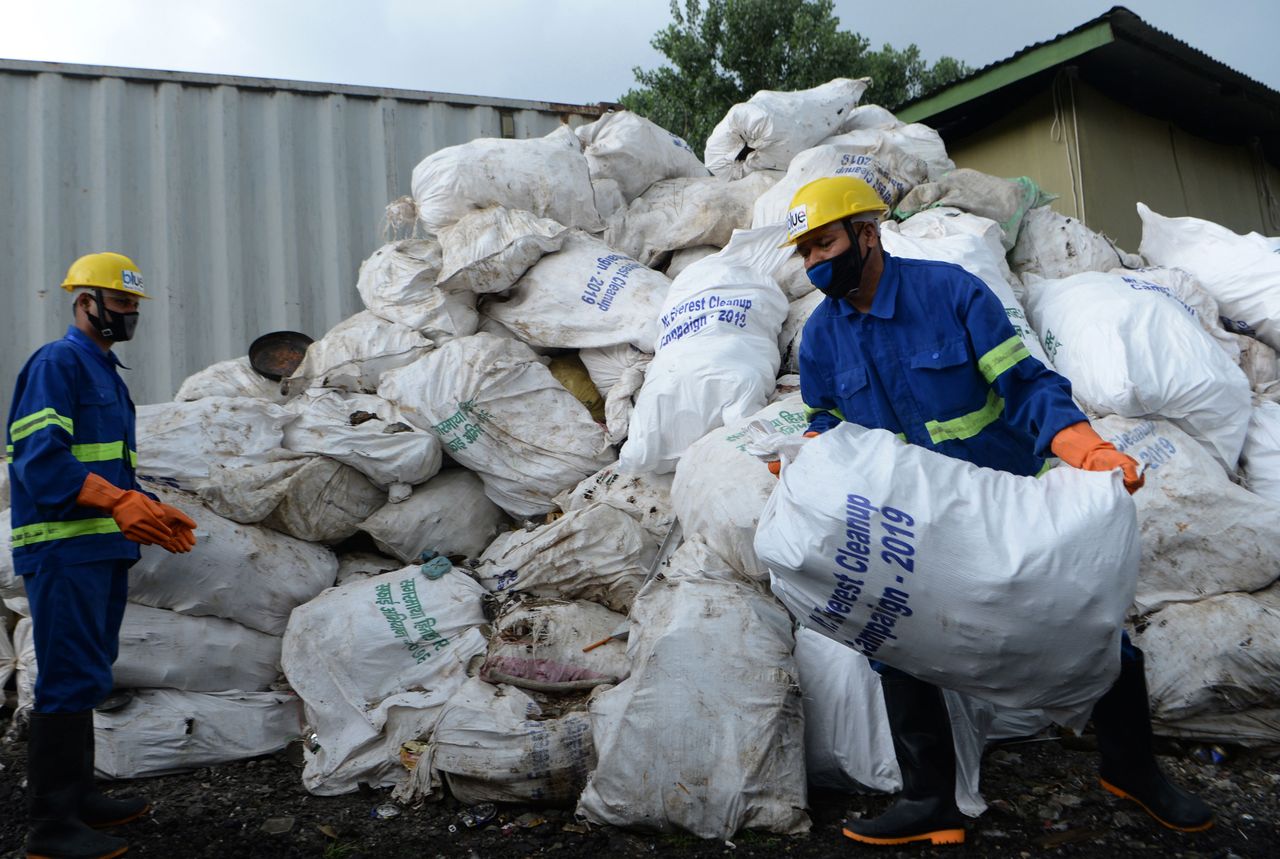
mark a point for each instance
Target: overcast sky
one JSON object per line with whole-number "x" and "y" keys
{"x": 579, "y": 51}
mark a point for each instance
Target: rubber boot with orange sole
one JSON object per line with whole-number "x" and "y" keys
{"x": 55, "y": 757}
{"x": 921, "y": 731}
{"x": 1128, "y": 768}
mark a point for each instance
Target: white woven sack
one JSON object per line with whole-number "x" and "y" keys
{"x": 547, "y": 176}
{"x": 867, "y": 155}
{"x": 374, "y": 661}
{"x": 165, "y": 731}
{"x": 792, "y": 333}
{"x": 716, "y": 351}
{"x": 397, "y": 284}
{"x": 869, "y": 116}
{"x": 973, "y": 243}
{"x": 685, "y": 257}
{"x": 1201, "y": 533}
{"x": 246, "y": 573}
{"x": 165, "y": 649}
{"x": 618, "y": 374}
{"x": 769, "y": 129}
{"x": 500, "y": 412}
{"x": 586, "y": 295}
{"x": 629, "y": 150}
{"x": 365, "y": 432}
{"x": 1053, "y": 245}
{"x": 720, "y": 490}
{"x": 847, "y": 742}
{"x": 596, "y": 553}
{"x": 488, "y": 250}
{"x": 644, "y": 497}
{"x": 179, "y": 442}
{"x": 675, "y": 214}
{"x": 1213, "y": 668}
{"x": 355, "y": 353}
{"x": 712, "y": 700}
{"x": 1259, "y": 361}
{"x": 449, "y": 514}
{"x": 1260, "y": 459}
{"x": 233, "y": 378}
{"x": 537, "y": 644}
{"x": 1199, "y": 304}
{"x": 886, "y": 547}
{"x": 1242, "y": 273}
{"x": 916, "y": 139}
{"x": 1132, "y": 348}
{"x": 496, "y": 744}
{"x": 323, "y": 501}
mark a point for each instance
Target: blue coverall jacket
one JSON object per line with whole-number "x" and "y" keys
{"x": 936, "y": 361}
{"x": 71, "y": 414}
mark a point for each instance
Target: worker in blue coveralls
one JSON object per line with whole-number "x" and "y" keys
{"x": 78, "y": 519}
{"x": 924, "y": 349}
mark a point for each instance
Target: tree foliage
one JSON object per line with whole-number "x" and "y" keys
{"x": 723, "y": 51}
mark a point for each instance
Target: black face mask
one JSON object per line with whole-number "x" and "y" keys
{"x": 841, "y": 276}
{"x": 112, "y": 325}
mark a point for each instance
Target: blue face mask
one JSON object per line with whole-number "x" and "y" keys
{"x": 840, "y": 276}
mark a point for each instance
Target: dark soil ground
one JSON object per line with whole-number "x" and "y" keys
{"x": 1043, "y": 795}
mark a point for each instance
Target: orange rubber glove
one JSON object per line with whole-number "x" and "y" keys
{"x": 1081, "y": 447}
{"x": 183, "y": 528}
{"x": 775, "y": 467}
{"x": 140, "y": 519}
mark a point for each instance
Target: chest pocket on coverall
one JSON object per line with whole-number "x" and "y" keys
{"x": 946, "y": 381}
{"x": 851, "y": 396}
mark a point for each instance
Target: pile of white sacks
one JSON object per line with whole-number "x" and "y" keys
{"x": 449, "y": 426}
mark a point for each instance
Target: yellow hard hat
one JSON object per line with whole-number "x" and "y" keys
{"x": 824, "y": 201}
{"x": 106, "y": 271}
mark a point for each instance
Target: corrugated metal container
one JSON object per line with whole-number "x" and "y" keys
{"x": 248, "y": 204}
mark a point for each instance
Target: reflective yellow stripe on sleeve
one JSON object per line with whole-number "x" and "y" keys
{"x": 42, "y": 532}
{"x": 810, "y": 413}
{"x": 102, "y": 452}
{"x": 993, "y": 364}
{"x": 966, "y": 426}
{"x": 25, "y": 426}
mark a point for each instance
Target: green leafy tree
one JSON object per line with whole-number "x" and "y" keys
{"x": 723, "y": 51}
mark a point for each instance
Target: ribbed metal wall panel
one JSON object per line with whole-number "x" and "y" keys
{"x": 248, "y": 204}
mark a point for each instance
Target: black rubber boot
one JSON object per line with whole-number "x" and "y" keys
{"x": 921, "y": 731}
{"x": 96, "y": 808}
{"x": 1122, "y": 720}
{"x": 55, "y": 758}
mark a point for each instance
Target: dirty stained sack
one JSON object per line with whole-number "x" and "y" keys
{"x": 165, "y": 730}
{"x": 1132, "y": 348}
{"x": 178, "y": 443}
{"x": 165, "y": 649}
{"x": 644, "y": 497}
{"x": 488, "y": 250}
{"x": 1260, "y": 459}
{"x": 365, "y": 432}
{"x": 676, "y": 214}
{"x": 501, "y": 744}
{"x": 596, "y": 553}
{"x": 323, "y": 501}
{"x": 792, "y": 333}
{"x": 498, "y": 411}
{"x": 771, "y": 128}
{"x": 630, "y": 151}
{"x": 1201, "y": 533}
{"x": 246, "y": 573}
{"x": 940, "y": 568}
{"x": 537, "y": 644}
{"x": 1213, "y": 668}
{"x": 713, "y": 701}
{"x": 1053, "y": 245}
{"x": 720, "y": 490}
{"x": 449, "y": 515}
{"x": 397, "y": 284}
{"x": 233, "y": 378}
{"x": 716, "y": 355}
{"x": 1005, "y": 201}
{"x": 374, "y": 662}
{"x": 587, "y": 295}
{"x": 355, "y": 353}
{"x": 547, "y": 176}
{"x": 915, "y": 138}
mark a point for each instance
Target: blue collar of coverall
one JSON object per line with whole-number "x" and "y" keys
{"x": 885, "y": 302}
{"x": 79, "y": 338}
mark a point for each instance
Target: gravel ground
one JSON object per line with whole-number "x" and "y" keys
{"x": 1043, "y": 795}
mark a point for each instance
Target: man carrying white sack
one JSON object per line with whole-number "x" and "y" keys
{"x": 923, "y": 349}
